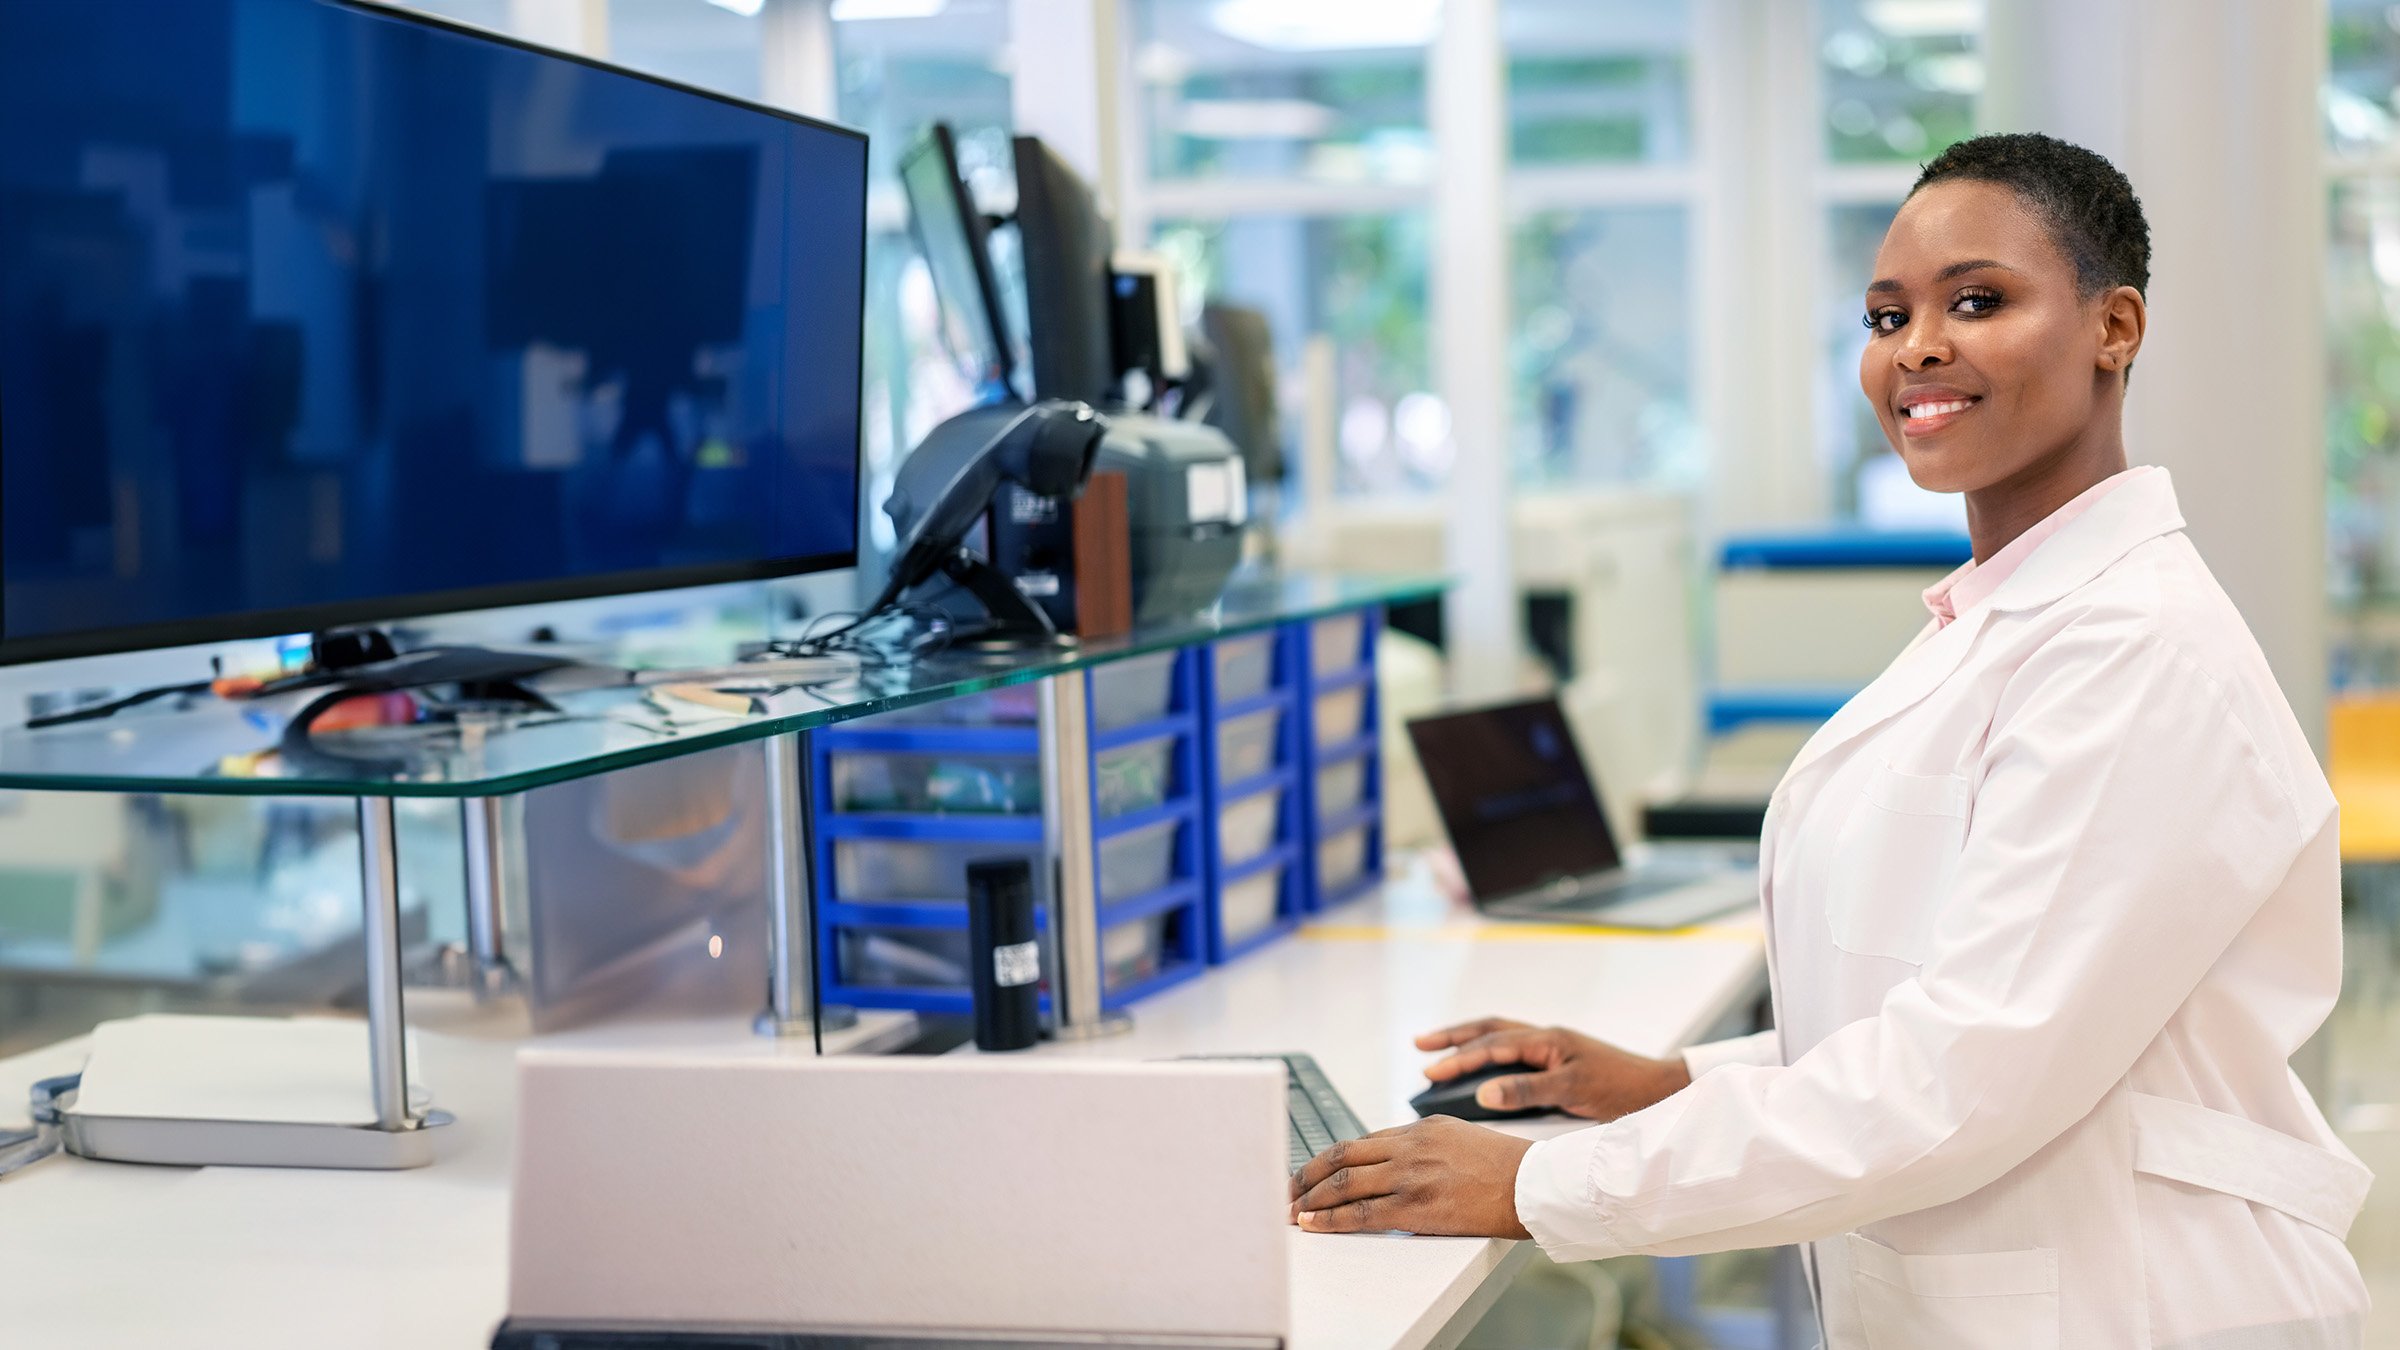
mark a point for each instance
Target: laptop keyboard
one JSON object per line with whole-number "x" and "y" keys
{"x": 1318, "y": 1116}
{"x": 1607, "y": 893}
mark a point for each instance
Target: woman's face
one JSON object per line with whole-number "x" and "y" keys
{"x": 1983, "y": 360}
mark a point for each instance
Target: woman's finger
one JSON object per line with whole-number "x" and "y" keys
{"x": 1350, "y": 1185}
{"x": 1518, "y": 1045}
{"x": 1348, "y": 1153}
{"x": 1522, "y": 1091}
{"x": 1364, "y": 1216}
{"x": 1463, "y": 1033}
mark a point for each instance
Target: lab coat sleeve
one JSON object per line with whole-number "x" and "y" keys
{"x": 2124, "y": 829}
{"x": 1765, "y": 1047}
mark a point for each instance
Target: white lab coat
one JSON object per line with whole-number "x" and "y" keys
{"x": 2049, "y": 906}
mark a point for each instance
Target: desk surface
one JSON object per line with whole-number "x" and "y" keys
{"x": 595, "y": 730}
{"x": 109, "y": 1255}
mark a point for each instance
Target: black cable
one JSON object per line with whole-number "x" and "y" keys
{"x": 93, "y": 712}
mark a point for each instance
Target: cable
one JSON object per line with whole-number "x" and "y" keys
{"x": 856, "y": 634}
{"x": 93, "y": 712}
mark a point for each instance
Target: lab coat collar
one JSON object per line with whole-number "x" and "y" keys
{"x": 1915, "y": 674}
{"x": 2133, "y": 514}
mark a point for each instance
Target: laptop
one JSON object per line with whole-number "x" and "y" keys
{"x": 1524, "y": 816}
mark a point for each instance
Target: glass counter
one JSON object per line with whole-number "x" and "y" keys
{"x": 231, "y": 748}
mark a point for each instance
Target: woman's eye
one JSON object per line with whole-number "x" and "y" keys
{"x": 1977, "y": 302}
{"x": 1882, "y": 321}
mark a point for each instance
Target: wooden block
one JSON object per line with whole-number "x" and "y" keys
{"x": 1103, "y": 558}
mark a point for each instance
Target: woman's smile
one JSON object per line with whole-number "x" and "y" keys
{"x": 1928, "y": 409}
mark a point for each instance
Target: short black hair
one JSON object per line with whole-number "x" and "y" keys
{"x": 2090, "y": 207}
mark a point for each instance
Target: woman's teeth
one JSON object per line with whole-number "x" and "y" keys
{"x": 1937, "y": 409}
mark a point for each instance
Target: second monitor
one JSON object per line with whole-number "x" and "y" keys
{"x": 1187, "y": 493}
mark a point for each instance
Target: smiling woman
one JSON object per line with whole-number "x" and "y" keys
{"x": 2005, "y": 314}
{"x": 2051, "y": 903}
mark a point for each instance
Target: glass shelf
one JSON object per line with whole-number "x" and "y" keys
{"x": 229, "y": 748}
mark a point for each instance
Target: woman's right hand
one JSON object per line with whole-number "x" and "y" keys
{"x": 1564, "y": 1070}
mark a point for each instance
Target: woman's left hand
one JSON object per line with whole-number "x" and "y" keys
{"x": 1440, "y": 1175}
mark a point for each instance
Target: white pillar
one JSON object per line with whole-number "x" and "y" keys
{"x": 578, "y": 26}
{"x": 1760, "y": 236}
{"x": 796, "y": 68}
{"x": 1065, "y": 86}
{"x": 1470, "y": 286}
{"x": 2210, "y": 107}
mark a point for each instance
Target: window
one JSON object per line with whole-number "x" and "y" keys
{"x": 1289, "y": 166}
{"x": 1590, "y": 84}
{"x": 2362, "y": 299}
{"x": 710, "y": 45}
{"x": 1600, "y": 155}
{"x": 1900, "y": 77}
{"x": 1600, "y": 354}
{"x": 487, "y": 14}
{"x": 2362, "y": 77}
{"x": 1287, "y": 161}
{"x": 895, "y": 77}
{"x": 2362, "y": 351}
{"x": 1268, "y": 89}
{"x": 1357, "y": 283}
{"x": 1898, "y": 80}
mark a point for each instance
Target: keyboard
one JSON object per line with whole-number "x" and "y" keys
{"x": 1318, "y": 1116}
{"x": 1619, "y": 891}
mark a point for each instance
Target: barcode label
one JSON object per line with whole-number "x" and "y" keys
{"x": 1017, "y": 964}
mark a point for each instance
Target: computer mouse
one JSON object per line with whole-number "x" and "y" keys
{"x": 1457, "y": 1097}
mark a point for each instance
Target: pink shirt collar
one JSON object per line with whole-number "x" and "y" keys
{"x": 1973, "y": 583}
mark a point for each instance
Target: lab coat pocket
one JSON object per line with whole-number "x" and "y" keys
{"x": 1893, "y": 860}
{"x": 1973, "y": 1301}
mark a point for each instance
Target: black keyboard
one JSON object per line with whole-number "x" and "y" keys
{"x": 1318, "y": 1116}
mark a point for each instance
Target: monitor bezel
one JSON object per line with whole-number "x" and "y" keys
{"x": 247, "y": 625}
{"x": 939, "y": 140}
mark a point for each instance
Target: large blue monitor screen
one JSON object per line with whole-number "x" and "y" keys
{"x": 315, "y": 313}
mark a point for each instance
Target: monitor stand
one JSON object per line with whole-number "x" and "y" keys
{"x": 480, "y": 673}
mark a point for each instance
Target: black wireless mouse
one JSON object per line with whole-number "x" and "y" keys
{"x": 1457, "y": 1097}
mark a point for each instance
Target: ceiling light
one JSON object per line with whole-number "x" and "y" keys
{"x": 846, "y": 11}
{"x": 748, "y": 9}
{"x": 1327, "y": 25}
{"x": 1924, "y": 18}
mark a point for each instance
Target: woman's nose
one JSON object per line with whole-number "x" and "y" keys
{"x": 1917, "y": 354}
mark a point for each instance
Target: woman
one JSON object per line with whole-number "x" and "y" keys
{"x": 2048, "y": 906}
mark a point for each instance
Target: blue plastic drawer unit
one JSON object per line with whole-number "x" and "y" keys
{"x": 1253, "y": 815}
{"x": 907, "y": 801}
{"x": 1341, "y": 757}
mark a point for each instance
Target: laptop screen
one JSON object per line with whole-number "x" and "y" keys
{"x": 1514, "y": 796}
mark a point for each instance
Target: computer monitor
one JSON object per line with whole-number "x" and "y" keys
{"x": 1241, "y": 387}
{"x": 1066, "y": 247}
{"x": 949, "y": 230}
{"x": 316, "y": 312}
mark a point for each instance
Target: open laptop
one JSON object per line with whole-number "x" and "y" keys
{"x": 1524, "y": 817}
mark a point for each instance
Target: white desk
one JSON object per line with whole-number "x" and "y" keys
{"x": 101, "y": 1255}
{"x": 1353, "y": 990}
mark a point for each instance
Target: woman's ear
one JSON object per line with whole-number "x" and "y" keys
{"x": 2124, "y": 317}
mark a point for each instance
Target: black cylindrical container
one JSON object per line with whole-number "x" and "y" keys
{"x": 1002, "y": 954}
